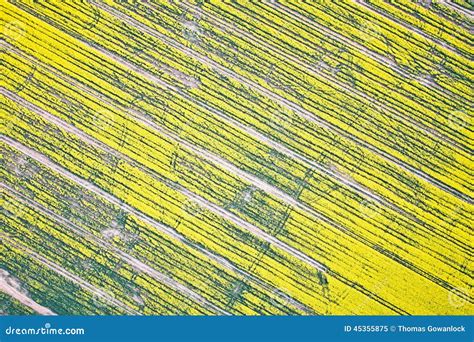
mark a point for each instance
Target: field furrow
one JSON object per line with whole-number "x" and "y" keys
{"x": 236, "y": 158}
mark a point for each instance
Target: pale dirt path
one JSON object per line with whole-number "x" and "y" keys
{"x": 91, "y": 187}
{"x": 132, "y": 261}
{"x": 276, "y": 192}
{"x": 251, "y": 228}
{"x": 196, "y": 198}
{"x": 410, "y": 27}
{"x": 454, "y": 6}
{"x": 137, "y": 264}
{"x": 170, "y": 232}
{"x": 345, "y": 179}
{"x": 98, "y": 293}
{"x": 341, "y": 177}
{"x": 285, "y": 103}
{"x": 216, "y": 209}
{"x": 328, "y": 75}
{"x": 11, "y": 287}
{"x": 335, "y": 174}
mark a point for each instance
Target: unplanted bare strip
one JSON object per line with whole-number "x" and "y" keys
{"x": 329, "y": 76}
{"x": 169, "y": 149}
{"x": 286, "y": 103}
{"x": 196, "y": 198}
{"x": 77, "y": 280}
{"x": 255, "y": 134}
{"x": 91, "y": 187}
{"x": 135, "y": 263}
{"x": 216, "y": 209}
{"x": 10, "y": 289}
{"x": 204, "y": 203}
{"x": 213, "y": 208}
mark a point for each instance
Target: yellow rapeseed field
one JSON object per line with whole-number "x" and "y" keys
{"x": 236, "y": 158}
